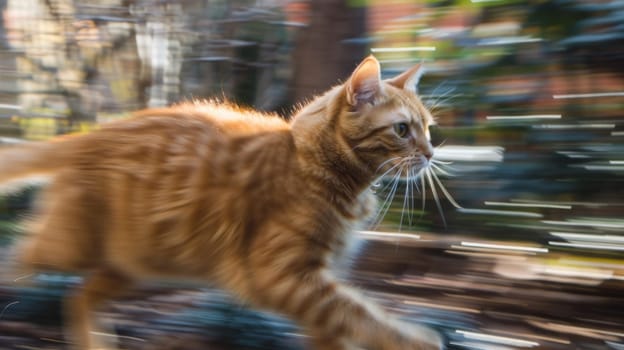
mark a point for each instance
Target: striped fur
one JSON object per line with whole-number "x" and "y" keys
{"x": 207, "y": 191}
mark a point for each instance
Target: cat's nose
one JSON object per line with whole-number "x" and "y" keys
{"x": 428, "y": 154}
{"x": 426, "y": 150}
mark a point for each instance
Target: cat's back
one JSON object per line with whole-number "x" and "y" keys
{"x": 219, "y": 117}
{"x": 182, "y": 131}
{"x": 183, "y": 150}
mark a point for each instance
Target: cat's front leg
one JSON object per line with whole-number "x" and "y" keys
{"x": 320, "y": 341}
{"x": 364, "y": 323}
{"x": 98, "y": 288}
{"x": 418, "y": 338}
{"x": 337, "y": 315}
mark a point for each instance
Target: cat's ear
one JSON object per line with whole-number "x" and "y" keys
{"x": 365, "y": 82}
{"x": 408, "y": 80}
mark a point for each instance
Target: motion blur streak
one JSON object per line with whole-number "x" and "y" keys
{"x": 504, "y": 247}
{"x": 508, "y": 40}
{"x": 584, "y": 331}
{"x": 402, "y": 49}
{"x": 442, "y": 306}
{"x": 529, "y": 336}
{"x": 529, "y": 205}
{"x": 498, "y": 339}
{"x": 590, "y": 95}
{"x": 469, "y": 153}
{"x": 589, "y": 237}
{"x": 605, "y": 223}
{"x": 523, "y": 117}
{"x": 588, "y": 246}
{"x": 574, "y": 126}
{"x": 387, "y": 235}
{"x": 500, "y": 212}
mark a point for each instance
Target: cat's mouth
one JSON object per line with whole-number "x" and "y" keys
{"x": 409, "y": 167}
{"x": 416, "y": 164}
{"x": 417, "y": 175}
{"x": 412, "y": 167}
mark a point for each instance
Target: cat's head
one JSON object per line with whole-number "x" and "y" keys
{"x": 373, "y": 124}
{"x": 385, "y": 122}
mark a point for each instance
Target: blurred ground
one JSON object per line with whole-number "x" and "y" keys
{"x": 478, "y": 300}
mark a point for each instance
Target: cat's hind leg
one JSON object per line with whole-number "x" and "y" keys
{"x": 98, "y": 287}
{"x": 65, "y": 232}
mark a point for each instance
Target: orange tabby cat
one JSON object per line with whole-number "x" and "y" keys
{"x": 254, "y": 204}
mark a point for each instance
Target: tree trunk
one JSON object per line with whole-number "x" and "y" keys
{"x": 329, "y": 48}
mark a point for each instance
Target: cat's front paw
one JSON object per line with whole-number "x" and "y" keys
{"x": 423, "y": 338}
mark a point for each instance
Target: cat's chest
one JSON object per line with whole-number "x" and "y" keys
{"x": 357, "y": 212}
{"x": 354, "y": 216}
{"x": 365, "y": 206}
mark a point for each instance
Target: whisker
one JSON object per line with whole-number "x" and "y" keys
{"x": 408, "y": 201}
{"x": 445, "y": 97}
{"x": 441, "y": 170}
{"x": 423, "y": 184}
{"x": 392, "y": 193}
{"x": 435, "y": 91}
{"x": 448, "y": 165}
{"x": 377, "y": 183}
{"x": 441, "y": 144}
{"x": 416, "y": 176}
{"x": 435, "y": 195}
{"x": 389, "y": 170}
{"x": 387, "y": 203}
{"x": 442, "y": 98}
{"x": 405, "y": 199}
{"x": 410, "y": 186}
{"x": 7, "y": 307}
{"x": 416, "y": 180}
{"x": 391, "y": 183}
{"x": 386, "y": 162}
{"x": 446, "y": 193}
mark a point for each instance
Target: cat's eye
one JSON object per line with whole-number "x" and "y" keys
{"x": 401, "y": 129}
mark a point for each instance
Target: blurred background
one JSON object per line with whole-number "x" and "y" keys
{"x": 529, "y": 97}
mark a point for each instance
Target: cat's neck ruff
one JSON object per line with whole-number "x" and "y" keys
{"x": 323, "y": 154}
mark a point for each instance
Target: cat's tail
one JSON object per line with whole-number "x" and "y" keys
{"x": 30, "y": 160}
